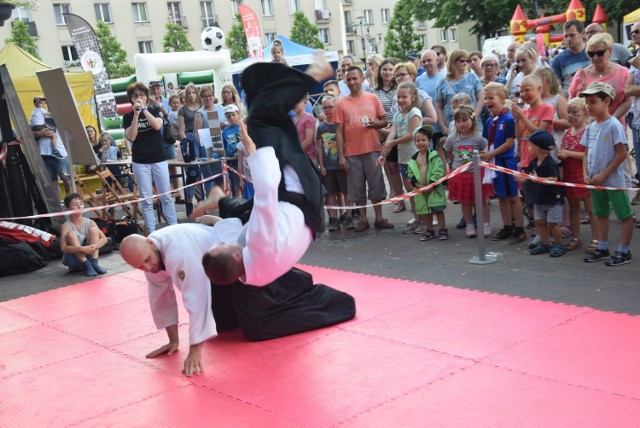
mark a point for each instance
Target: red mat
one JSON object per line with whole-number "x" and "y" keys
{"x": 415, "y": 355}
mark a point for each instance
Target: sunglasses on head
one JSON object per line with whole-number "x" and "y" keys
{"x": 596, "y": 53}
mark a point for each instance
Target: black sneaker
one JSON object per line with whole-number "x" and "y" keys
{"x": 461, "y": 224}
{"x": 518, "y": 237}
{"x": 343, "y": 218}
{"x": 619, "y": 258}
{"x": 599, "y": 255}
{"x": 505, "y": 233}
{"x": 349, "y": 224}
{"x": 56, "y": 154}
{"x": 334, "y": 224}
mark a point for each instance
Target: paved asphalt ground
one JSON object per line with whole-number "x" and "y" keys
{"x": 389, "y": 253}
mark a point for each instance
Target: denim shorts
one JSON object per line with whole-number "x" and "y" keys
{"x": 57, "y": 168}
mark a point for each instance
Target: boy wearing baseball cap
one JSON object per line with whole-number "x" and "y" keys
{"x": 548, "y": 200}
{"x": 605, "y": 151}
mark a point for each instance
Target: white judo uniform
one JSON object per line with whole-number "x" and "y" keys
{"x": 276, "y": 237}
{"x": 181, "y": 247}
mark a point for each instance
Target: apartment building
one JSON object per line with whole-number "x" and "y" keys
{"x": 357, "y": 27}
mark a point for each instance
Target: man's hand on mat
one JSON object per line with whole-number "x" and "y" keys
{"x": 211, "y": 203}
{"x": 193, "y": 362}
{"x": 168, "y": 349}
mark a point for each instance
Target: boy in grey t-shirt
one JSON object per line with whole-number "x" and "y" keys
{"x": 605, "y": 152}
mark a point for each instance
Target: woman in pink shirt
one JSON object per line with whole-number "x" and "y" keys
{"x": 603, "y": 70}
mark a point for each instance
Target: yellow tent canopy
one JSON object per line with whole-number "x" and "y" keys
{"x": 632, "y": 17}
{"x": 22, "y": 68}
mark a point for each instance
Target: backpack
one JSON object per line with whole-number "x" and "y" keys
{"x": 167, "y": 132}
{"x": 125, "y": 227}
{"x": 188, "y": 149}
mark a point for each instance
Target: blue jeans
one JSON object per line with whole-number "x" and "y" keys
{"x": 205, "y": 170}
{"x": 148, "y": 174}
{"x": 57, "y": 168}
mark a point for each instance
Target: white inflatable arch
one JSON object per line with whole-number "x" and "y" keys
{"x": 150, "y": 66}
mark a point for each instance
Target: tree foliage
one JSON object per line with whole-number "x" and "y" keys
{"x": 175, "y": 39}
{"x": 401, "y": 38}
{"x": 304, "y": 32}
{"x": 113, "y": 55}
{"x": 20, "y": 37}
{"x": 237, "y": 40}
{"x": 492, "y": 16}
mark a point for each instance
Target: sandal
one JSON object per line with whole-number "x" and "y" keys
{"x": 593, "y": 246}
{"x": 585, "y": 220}
{"x": 565, "y": 230}
{"x": 575, "y": 243}
{"x": 428, "y": 235}
{"x": 443, "y": 235}
{"x": 401, "y": 207}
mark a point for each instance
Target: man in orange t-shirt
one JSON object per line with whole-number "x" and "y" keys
{"x": 358, "y": 117}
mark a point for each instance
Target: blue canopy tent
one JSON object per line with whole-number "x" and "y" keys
{"x": 298, "y": 56}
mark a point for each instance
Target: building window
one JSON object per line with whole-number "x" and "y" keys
{"x": 323, "y": 34}
{"x": 350, "y": 47}
{"x": 145, "y": 47}
{"x": 20, "y": 13}
{"x": 69, "y": 53}
{"x": 58, "y": 10}
{"x": 139, "y": 12}
{"x": 424, "y": 40}
{"x": 208, "y": 14}
{"x": 294, "y": 6}
{"x": 453, "y": 34}
{"x": 175, "y": 14}
{"x": 384, "y": 16}
{"x": 234, "y": 7}
{"x": 102, "y": 12}
{"x": 443, "y": 35}
{"x": 368, "y": 16}
{"x": 348, "y": 24}
{"x": 269, "y": 37}
{"x": 267, "y": 8}
{"x": 321, "y": 4}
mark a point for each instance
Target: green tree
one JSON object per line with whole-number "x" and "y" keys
{"x": 401, "y": 38}
{"x": 237, "y": 40}
{"x": 304, "y": 32}
{"x": 113, "y": 55}
{"x": 489, "y": 16}
{"x": 20, "y": 37}
{"x": 175, "y": 40}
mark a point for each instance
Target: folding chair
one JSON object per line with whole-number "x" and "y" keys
{"x": 92, "y": 199}
{"x": 115, "y": 193}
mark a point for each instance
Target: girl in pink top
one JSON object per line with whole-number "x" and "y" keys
{"x": 306, "y": 126}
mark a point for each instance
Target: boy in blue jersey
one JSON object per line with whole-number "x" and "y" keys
{"x": 500, "y": 132}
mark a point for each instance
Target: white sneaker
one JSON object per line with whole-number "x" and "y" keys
{"x": 470, "y": 231}
{"x": 487, "y": 229}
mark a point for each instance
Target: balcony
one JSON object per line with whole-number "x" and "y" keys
{"x": 346, "y": 2}
{"x": 322, "y": 15}
{"x": 33, "y": 30}
{"x": 348, "y": 28}
{"x": 209, "y": 21}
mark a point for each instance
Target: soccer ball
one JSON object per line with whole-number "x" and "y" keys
{"x": 212, "y": 39}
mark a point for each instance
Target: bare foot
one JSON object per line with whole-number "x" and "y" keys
{"x": 320, "y": 69}
{"x": 211, "y": 203}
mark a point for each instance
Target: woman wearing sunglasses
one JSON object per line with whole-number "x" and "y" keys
{"x": 603, "y": 70}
